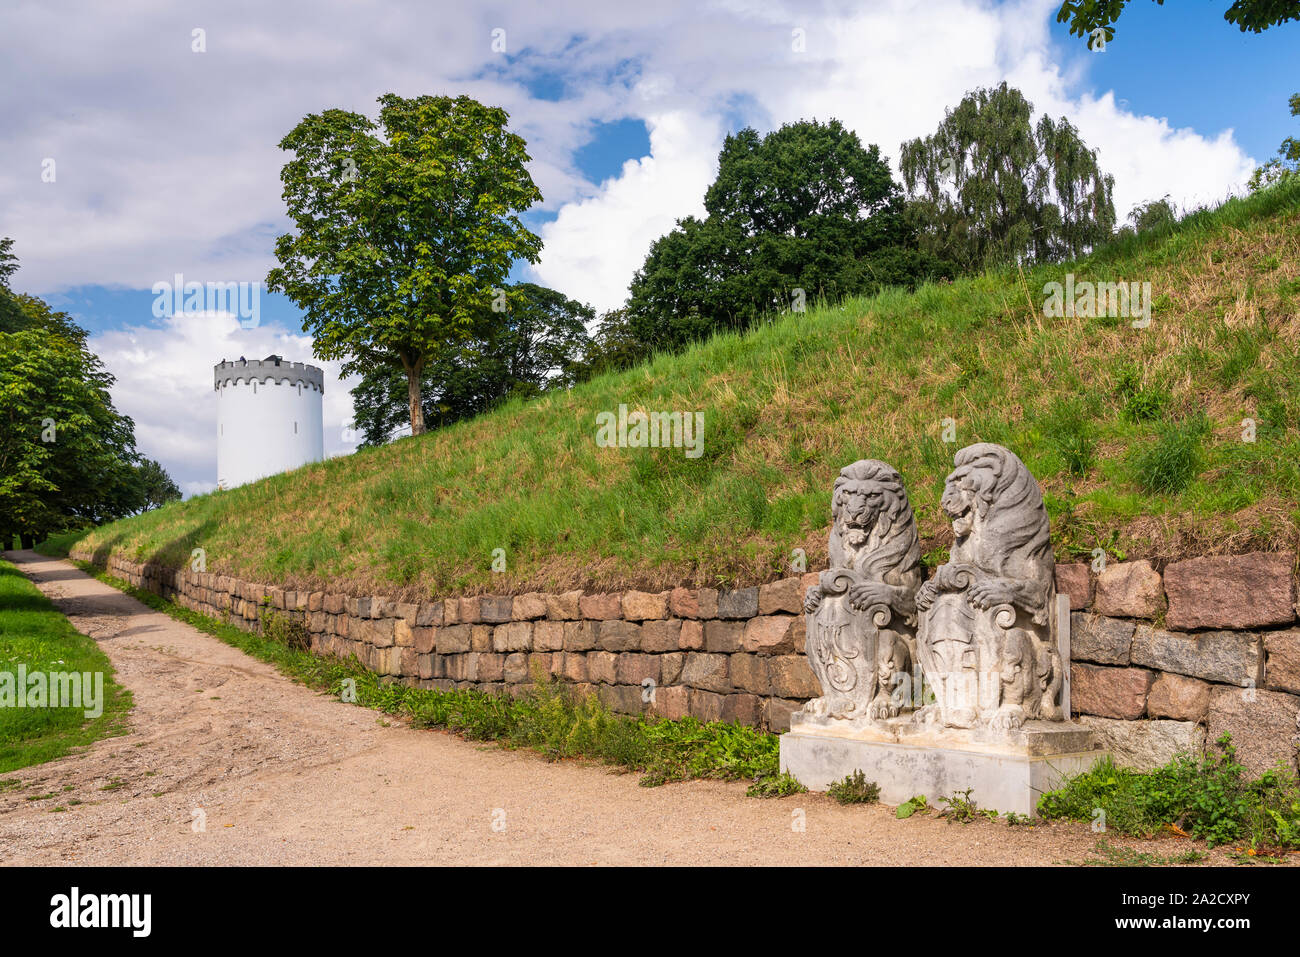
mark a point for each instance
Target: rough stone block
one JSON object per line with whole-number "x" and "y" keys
{"x": 692, "y": 635}
{"x": 618, "y": 635}
{"x": 1128, "y": 590}
{"x": 579, "y": 635}
{"x": 494, "y": 609}
{"x": 749, "y": 673}
{"x": 792, "y": 678}
{"x": 661, "y": 635}
{"x": 548, "y": 635}
{"x": 575, "y": 667}
{"x": 516, "y": 668}
{"x": 723, "y": 637}
{"x": 601, "y": 607}
{"x": 469, "y": 612}
{"x": 746, "y": 709}
{"x": 741, "y": 603}
{"x": 1178, "y": 697}
{"x": 634, "y": 668}
{"x": 1229, "y": 657}
{"x": 1231, "y": 591}
{"x": 1075, "y": 582}
{"x": 671, "y": 702}
{"x": 644, "y": 606}
{"x": 770, "y": 635}
{"x": 777, "y": 711}
{"x": 706, "y": 706}
{"x": 1282, "y": 666}
{"x": 1109, "y": 692}
{"x": 527, "y": 607}
{"x": 564, "y": 607}
{"x": 430, "y": 613}
{"x": 684, "y": 603}
{"x": 671, "y": 666}
{"x": 1146, "y": 744}
{"x": 707, "y": 602}
{"x": 1262, "y": 724}
{"x": 453, "y": 639}
{"x": 480, "y": 637}
{"x": 785, "y": 595}
{"x": 1107, "y": 641}
{"x": 602, "y": 666}
{"x": 512, "y": 636}
{"x": 707, "y": 672}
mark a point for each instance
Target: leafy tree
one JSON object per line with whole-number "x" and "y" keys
{"x": 156, "y": 486}
{"x": 406, "y": 230}
{"x": 536, "y": 344}
{"x": 990, "y": 186}
{"x": 67, "y": 457}
{"x": 1095, "y": 19}
{"x": 613, "y": 346}
{"x": 803, "y": 213}
{"x": 1287, "y": 161}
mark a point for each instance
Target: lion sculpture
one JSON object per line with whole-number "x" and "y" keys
{"x": 861, "y": 616}
{"x": 986, "y": 639}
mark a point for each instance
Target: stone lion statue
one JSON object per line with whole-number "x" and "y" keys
{"x": 986, "y": 639}
{"x": 861, "y": 615}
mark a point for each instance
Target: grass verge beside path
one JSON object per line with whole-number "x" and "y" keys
{"x": 35, "y": 635}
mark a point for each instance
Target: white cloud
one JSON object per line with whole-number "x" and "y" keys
{"x": 164, "y": 383}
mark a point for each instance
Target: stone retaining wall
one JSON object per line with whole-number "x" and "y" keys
{"x": 1161, "y": 658}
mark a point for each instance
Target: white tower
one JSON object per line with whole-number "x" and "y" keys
{"x": 268, "y": 418}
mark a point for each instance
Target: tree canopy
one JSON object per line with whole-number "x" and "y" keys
{"x": 806, "y": 212}
{"x": 537, "y": 342}
{"x": 406, "y": 230}
{"x": 1095, "y": 19}
{"x": 991, "y": 186}
{"x": 67, "y": 456}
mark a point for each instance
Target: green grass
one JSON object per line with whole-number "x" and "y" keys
{"x": 35, "y": 634}
{"x": 1135, "y": 434}
{"x": 547, "y": 718}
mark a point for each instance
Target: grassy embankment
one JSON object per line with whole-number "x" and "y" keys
{"x": 1135, "y": 434}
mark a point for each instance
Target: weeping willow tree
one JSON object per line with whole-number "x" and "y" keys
{"x": 991, "y": 186}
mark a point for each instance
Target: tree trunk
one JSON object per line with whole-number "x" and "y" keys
{"x": 28, "y": 540}
{"x": 413, "y": 375}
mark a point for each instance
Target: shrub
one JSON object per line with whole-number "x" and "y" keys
{"x": 855, "y": 789}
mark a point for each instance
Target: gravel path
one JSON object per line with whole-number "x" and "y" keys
{"x": 284, "y": 775}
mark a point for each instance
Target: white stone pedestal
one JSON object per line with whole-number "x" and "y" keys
{"x": 1006, "y": 772}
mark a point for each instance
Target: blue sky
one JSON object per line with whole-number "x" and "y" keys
{"x": 167, "y": 156}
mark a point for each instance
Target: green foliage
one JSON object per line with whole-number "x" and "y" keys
{"x": 854, "y": 789}
{"x": 1095, "y": 19}
{"x": 775, "y": 785}
{"x": 1287, "y": 162}
{"x": 1111, "y": 855}
{"x": 1139, "y": 401}
{"x": 1019, "y": 820}
{"x": 1172, "y": 461}
{"x": 538, "y": 342}
{"x": 33, "y": 633}
{"x": 991, "y": 187}
{"x": 962, "y": 809}
{"x": 67, "y": 457}
{"x": 286, "y": 628}
{"x": 805, "y": 214}
{"x": 1211, "y": 797}
{"x": 406, "y": 230}
{"x": 156, "y": 486}
{"x": 917, "y": 804}
{"x": 1154, "y": 214}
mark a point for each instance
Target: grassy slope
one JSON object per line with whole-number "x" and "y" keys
{"x": 34, "y": 633}
{"x": 787, "y": 405}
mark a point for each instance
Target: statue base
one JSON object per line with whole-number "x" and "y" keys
{"x": 1006, "y": 771}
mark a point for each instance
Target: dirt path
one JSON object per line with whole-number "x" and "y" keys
{"x": 287, "y": 776}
